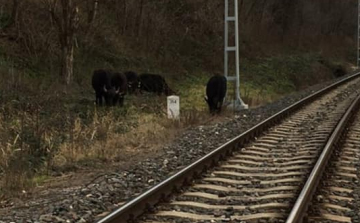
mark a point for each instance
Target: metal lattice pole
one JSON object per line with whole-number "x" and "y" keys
{"x": 237, "y": 103}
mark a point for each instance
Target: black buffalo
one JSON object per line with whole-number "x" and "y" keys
{"x": 108, "y": 86}
{"x": 132, "y": 81}
{"x": 215, "y": 92}
{"x": 154, "y": 83}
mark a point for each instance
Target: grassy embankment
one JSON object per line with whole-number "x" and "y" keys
{"x": 45, "y": 132}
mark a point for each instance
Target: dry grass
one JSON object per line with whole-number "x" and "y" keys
{"x": 104, "y": 143}
{"x": 76, "y": 141}
{"x": 46, "y": 132}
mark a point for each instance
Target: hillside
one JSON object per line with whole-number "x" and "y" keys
{"x": 285, "y": 46}
{"x": 174, "y": 37}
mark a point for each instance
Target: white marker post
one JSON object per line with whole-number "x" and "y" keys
{"x": 173, "y": 107}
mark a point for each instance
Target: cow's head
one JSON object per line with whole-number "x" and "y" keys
{"x": 110, "y": 94}
{"x": 133, "y": 86}
{"x": 169, "y": 91}
{"x": 214, "y": 104}
{"x": 132, "y": 81}
{"x": 118, "y": 96}
{"x": 136, "y": 86}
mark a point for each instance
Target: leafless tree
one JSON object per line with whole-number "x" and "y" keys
{"x": 15, "y": 11}
{"x": 92, "y": 10}
{"x": 14, "y": 15}
{"x": 65, "y": 14}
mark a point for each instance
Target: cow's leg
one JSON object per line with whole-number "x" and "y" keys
{"x": 212, "y": 110}
{"x": 164, "y": 90}
{"x": 212, "y": 107}
{"x": 137, "y": 91}
{"x": 160, "y": 89}
{"x": 115, "y": 100}
{"x": 99, "y": 98}
{"x": 96, "y": 99}
{"x": 121, "y": 101}
{"x": 219, "y": 105}
{"x": 208, "y": 101}
{"x": 108, "y": 100}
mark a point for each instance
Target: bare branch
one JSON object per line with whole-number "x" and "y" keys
{"x": 92, "y": 10}
{"x": 52, "y": 5}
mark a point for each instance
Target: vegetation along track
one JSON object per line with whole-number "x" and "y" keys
{"x": 263, "y": 176}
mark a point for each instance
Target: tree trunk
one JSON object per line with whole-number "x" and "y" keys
{"x": 14, "y": 17}
{"x": 241, "y": 5}
{"x": 67, "y": 20}
{"x": 140, "y": 18}
{"x": 125, "y": 12}
{"x": 15, "y": 12}
{"x": 300, "y": 25}
{"x": 67, "y": 61}
{"x": 249, "y": 12}
{"x": 262, "y": 12}
{"x": 93, "y": 11}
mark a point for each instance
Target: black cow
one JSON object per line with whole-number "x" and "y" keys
{"x": 215, "y": 92}
{"x": 154, "y": 83}
{"x": 109, "y": 86}
{"x": 101, "y": 82}
{"x": 119, "y": 83}
{"x": 132, "y": 81}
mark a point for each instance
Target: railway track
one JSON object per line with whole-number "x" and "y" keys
{"x": 337, "y": 198}
{"x": 257, "y": 176}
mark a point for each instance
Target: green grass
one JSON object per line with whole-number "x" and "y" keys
{"x": 40, "y": 179}
{"x": 192, "y": 91}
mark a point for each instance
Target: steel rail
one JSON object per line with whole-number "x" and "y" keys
{"x": 144, "y": 202}
{"x": 299, "y": 210}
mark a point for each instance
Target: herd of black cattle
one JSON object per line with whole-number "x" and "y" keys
{"x": 113, "y": 86}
